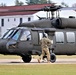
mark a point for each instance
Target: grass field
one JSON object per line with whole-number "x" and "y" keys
{"x": 39, "y": 69}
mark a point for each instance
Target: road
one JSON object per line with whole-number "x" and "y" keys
{"x": 34, "y": 61}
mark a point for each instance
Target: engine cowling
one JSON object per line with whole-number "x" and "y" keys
{"x": 64, "y": 23}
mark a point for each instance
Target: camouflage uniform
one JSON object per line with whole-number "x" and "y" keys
{"x": 45, "y": 43}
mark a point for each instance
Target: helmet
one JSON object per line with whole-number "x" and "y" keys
{"x": 45, "y": 35}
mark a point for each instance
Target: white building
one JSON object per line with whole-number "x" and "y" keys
{"x": 7, "y": 22}
{"x": 12, "y": 19}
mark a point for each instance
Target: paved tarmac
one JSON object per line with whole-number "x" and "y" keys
{"x": 34, "y": 61}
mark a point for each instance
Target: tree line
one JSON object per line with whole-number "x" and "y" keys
{"x": 30, "y": 2}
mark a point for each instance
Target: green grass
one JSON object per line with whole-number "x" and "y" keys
{"x": 39, "y": 69}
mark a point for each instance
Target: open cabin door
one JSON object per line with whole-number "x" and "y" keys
{"x": 38, "y": 34}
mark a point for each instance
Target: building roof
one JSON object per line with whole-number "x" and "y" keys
{"x": 4, "y": 11}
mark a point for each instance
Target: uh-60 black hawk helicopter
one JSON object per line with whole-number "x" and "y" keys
{"x": 24, "y": 39}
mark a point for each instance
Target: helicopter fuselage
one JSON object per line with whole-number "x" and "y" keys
{"x": 25, "y": 42}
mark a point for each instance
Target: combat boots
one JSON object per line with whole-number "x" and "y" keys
{"x": 38, "y": 60}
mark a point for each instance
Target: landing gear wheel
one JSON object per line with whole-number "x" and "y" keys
{"x": 26, "y": 58}
{"x": 52, "y": 57}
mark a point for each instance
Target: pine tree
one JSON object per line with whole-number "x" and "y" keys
{"x": 38, "y": 1}
{"x": 17, "y": 3}
{"x": 2, "y": 5}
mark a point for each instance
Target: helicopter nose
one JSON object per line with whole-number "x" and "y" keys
{"x": 11, "y": 45}
{"x": 3, "y": 48}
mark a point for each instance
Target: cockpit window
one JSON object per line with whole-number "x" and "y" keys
{"x": 26, "y": 36}
{"x": 8, "y": 34}
{"x": 16, "y": 34}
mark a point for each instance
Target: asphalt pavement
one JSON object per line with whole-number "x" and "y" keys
{"x": 34, "y": 61}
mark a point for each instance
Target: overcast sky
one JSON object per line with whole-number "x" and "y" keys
{"x": 12, "y": 2}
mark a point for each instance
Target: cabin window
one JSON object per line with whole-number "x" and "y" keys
{"x": 41, "y": 35}
{"x": 59, "y": 37}
{"x": 26, "y": 36}
{"x": 70, "y": 37}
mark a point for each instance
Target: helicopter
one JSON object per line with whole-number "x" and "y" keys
{"x": 24, "y": 39}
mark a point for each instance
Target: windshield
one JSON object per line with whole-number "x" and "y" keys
{"x": 12, "y": 33}
{"x": 16, "y": 35}
{"x": 26, "y": 35}
{"x": 8, "y": 34}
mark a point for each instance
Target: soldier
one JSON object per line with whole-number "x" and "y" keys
{"x": 45, "y": 43}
